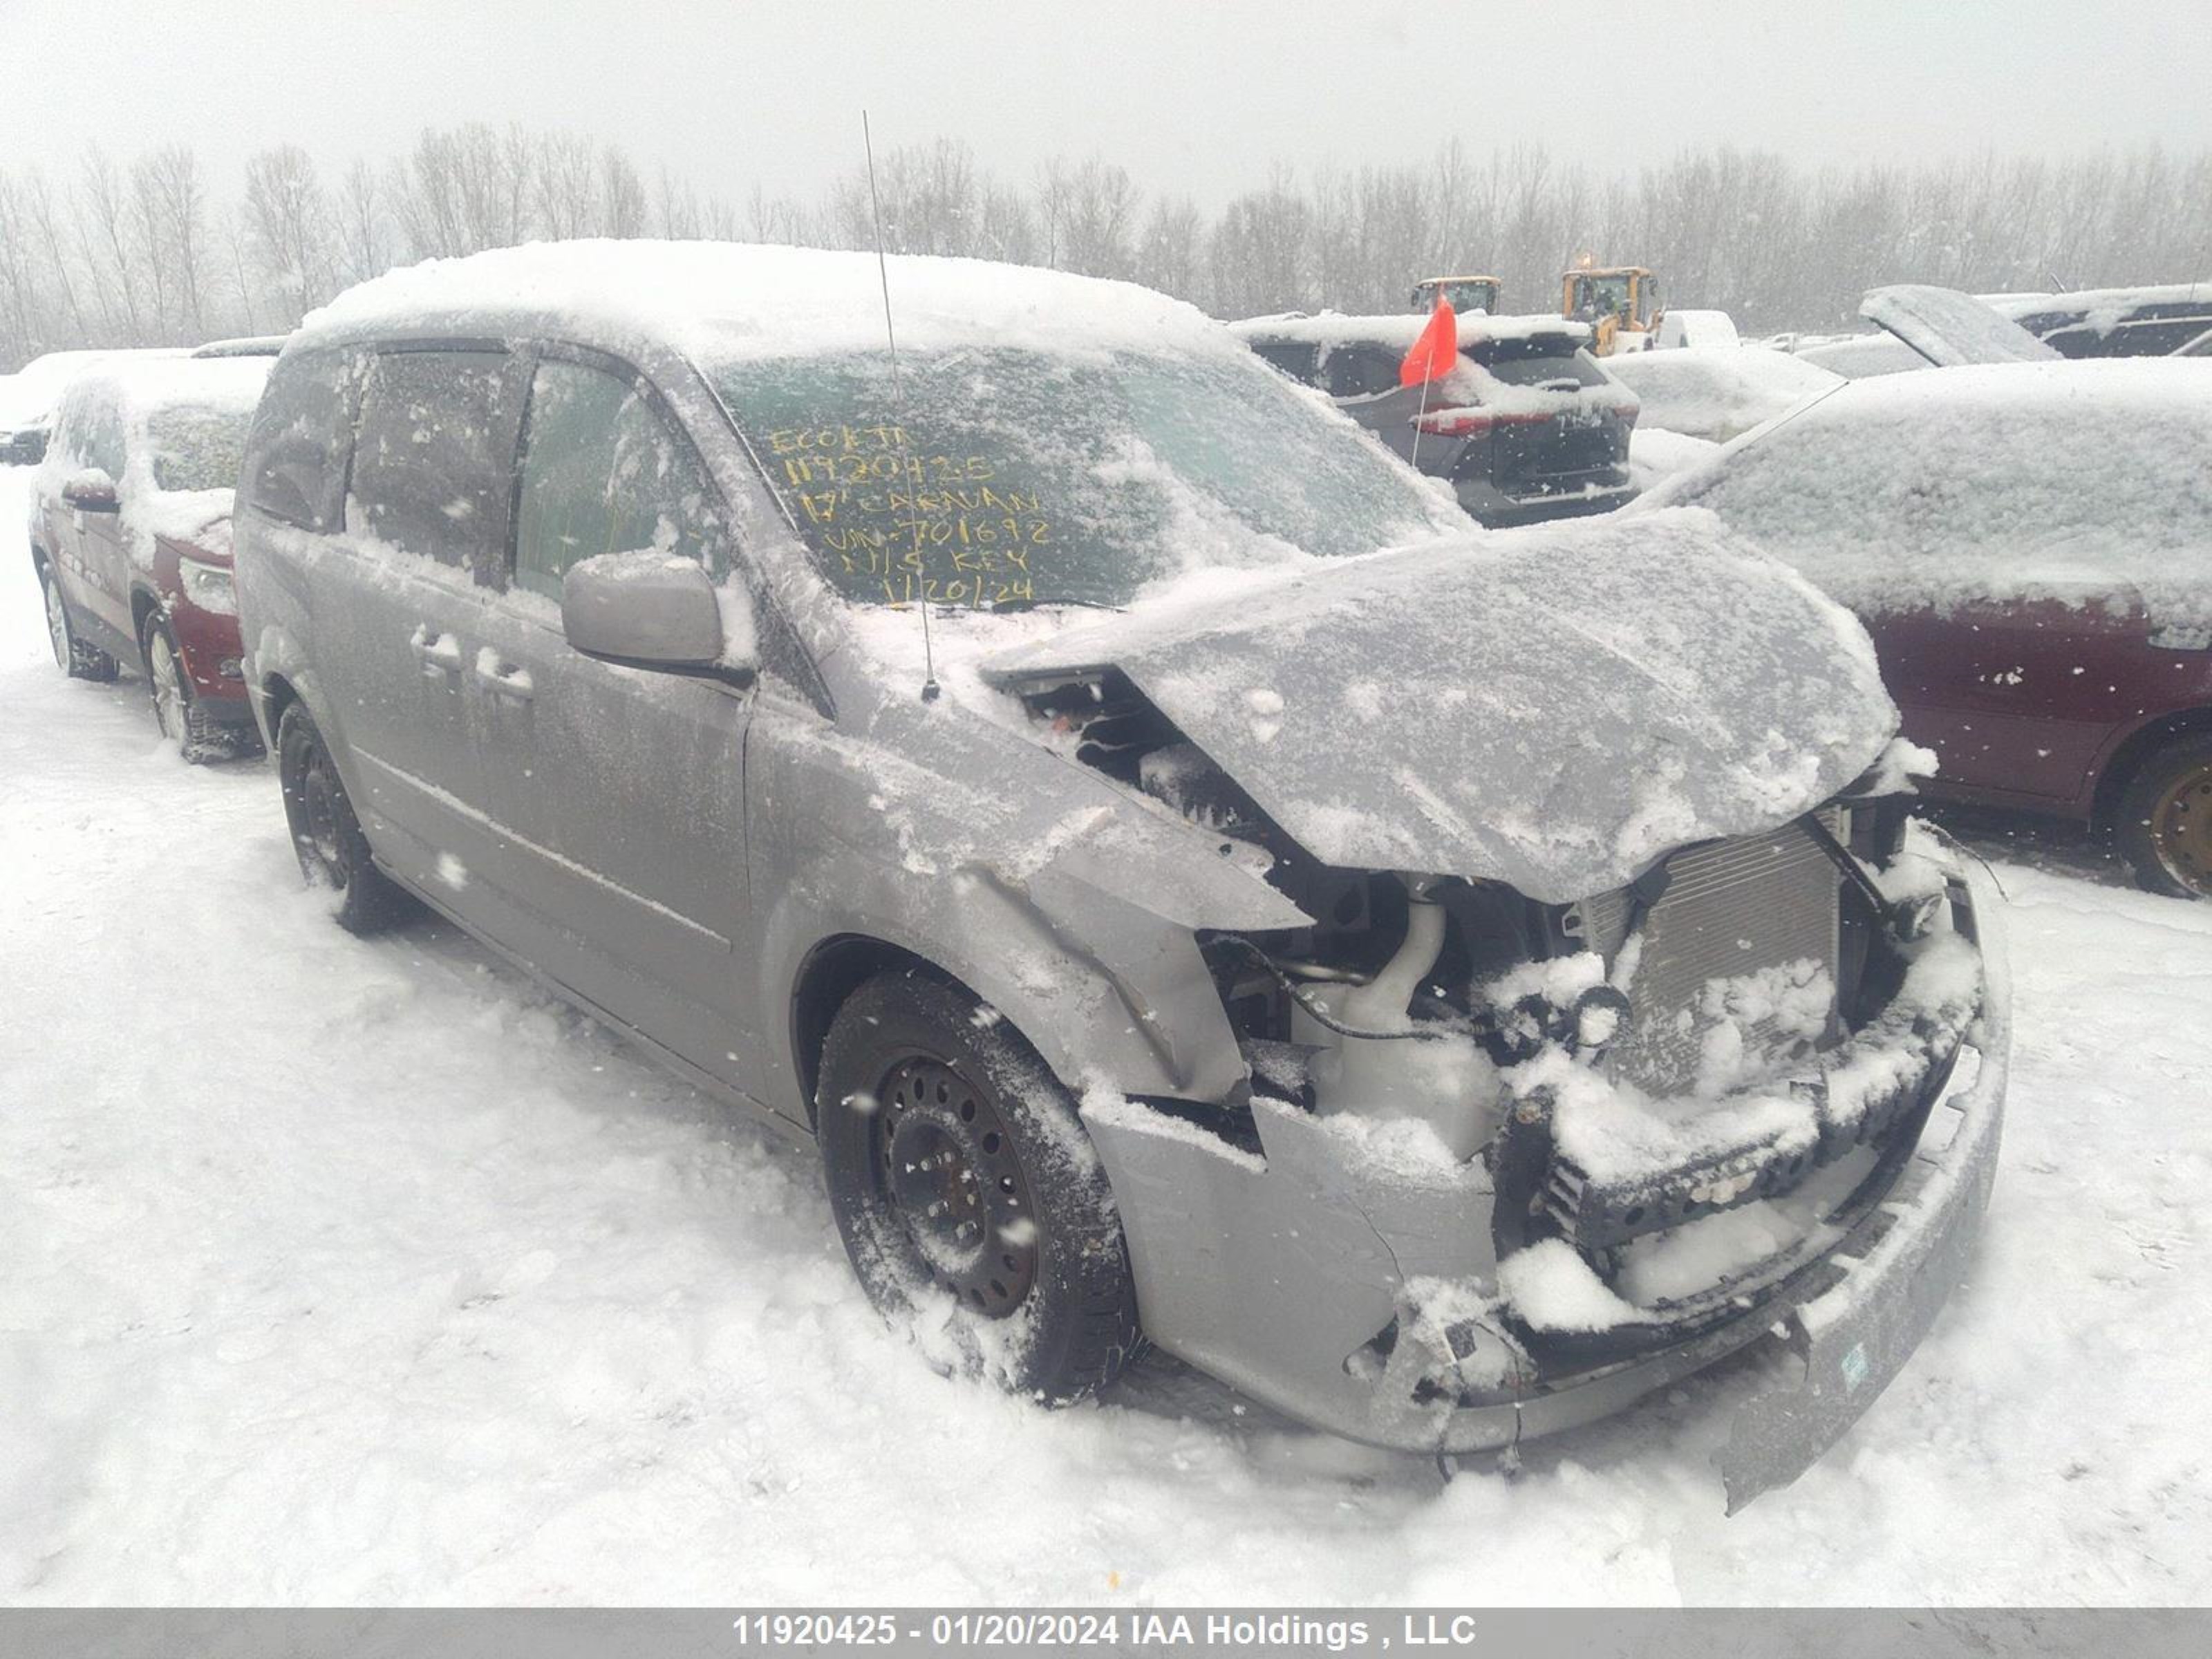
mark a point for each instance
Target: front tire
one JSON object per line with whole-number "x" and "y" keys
{"x": 333, "y": 852}
{"x": 72, "y": 655}
{"x": 972, "y": 1200}
{"x": 2164, "y": 824}
{"x": 176, "y": 710}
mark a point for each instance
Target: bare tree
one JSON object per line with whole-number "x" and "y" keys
{"x": 1170, "y": 251}
{"x": 364, "y": 245}
{"x": 171, "y": 209}
{"x": 105, "y": 240}
{"x": 622, "y": 195}
{"x": 288, "y": 220}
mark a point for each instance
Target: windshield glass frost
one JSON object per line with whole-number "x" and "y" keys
{"x": 996, "y": 477}
{"x": 196, "y": 448}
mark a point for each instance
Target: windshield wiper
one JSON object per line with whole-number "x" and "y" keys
{"x": 1006, "y": 605}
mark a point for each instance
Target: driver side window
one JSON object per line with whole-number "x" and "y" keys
{"x": 603, "y": 472}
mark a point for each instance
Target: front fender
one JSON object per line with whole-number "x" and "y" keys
{"x": 1068, "y": 906}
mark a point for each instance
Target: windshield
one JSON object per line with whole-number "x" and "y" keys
{"x": 1471, "y": 297}
{"x": 197, "y": 447}
{"x": 1602, "y": 297}
{"x": 1017, "y": 477}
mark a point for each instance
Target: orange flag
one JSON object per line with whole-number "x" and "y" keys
{"x": 1435, "y": 351}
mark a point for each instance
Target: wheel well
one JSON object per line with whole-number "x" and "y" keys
{"x": 142, "y": 604}
{"x": 280, "y": 696}
{"x": 833, "y": 970}
{"x": 2130, "y": 758}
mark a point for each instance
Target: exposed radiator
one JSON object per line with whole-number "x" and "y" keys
{"x": 1732, "y": 910}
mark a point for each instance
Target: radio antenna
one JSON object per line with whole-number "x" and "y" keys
{"x": 929, "y": 687}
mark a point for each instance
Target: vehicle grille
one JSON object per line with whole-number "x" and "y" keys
{"x": 1731, "y": 908}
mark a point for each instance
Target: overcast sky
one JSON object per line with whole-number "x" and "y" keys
{"x": 1200, "y": 96}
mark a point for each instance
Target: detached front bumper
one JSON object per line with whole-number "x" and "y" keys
{"x": 1357, "y": 1291}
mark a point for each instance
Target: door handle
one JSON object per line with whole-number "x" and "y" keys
{"x": 439, "y": 653}
{"x": 503, "y": 679}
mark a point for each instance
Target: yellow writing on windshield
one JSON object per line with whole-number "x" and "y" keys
{"x": 917, "y": 524}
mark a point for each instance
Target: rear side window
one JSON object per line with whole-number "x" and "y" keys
{"x": 433, "y": 455}
{"x": 301, "y": 439}
{"x": 603, "y": 472}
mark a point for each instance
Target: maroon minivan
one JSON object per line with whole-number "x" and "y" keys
{"x": 2030, "y": 546}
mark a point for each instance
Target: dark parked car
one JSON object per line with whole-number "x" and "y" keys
{"x": 2117, "y": 322}
{"x": 1361, "y": 968}
{"x": 1527, "y": 426}
{"x": 2031, "y": 547}
{"x": 130, "y": 532}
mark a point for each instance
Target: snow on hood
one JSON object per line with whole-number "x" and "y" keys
{"x": 1717, "y": 393}
{"x": 1998, "y": 483}
{"x": 1555, "y": 708}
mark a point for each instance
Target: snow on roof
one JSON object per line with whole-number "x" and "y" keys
{"x": 150, "y": 383}
{"x": 2103, "y": 385}
{"x": 1401, "y": 329}
{"x": 750, "y": 299}
{"x": 31, "y": 393}
{"x": 2115, "y": 300}
{"x": 1716, "y": 391}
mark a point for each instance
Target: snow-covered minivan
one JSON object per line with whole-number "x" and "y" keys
{"x": 1191, "y": 885}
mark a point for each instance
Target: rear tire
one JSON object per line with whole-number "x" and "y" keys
{"x": 2163, "y": 826}
{"x": 176, "y": 710}
{"x": 333, "y": 852}
{"x": 72, "y": 655}
{"x": 972, "y": 1200}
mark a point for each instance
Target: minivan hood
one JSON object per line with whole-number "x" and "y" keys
{"x": 1556, "y": 707}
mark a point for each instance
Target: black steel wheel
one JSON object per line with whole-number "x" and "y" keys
{"x": 965, "y": 1188}
{"x": 2163, "y": 825}
{"x": 333, "y": 852}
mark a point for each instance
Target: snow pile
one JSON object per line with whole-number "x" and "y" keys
{"x": 1551, "y": 1287}
{"x": 1860, "y": 357}
{"x": 2075, "y": 481}
{"x": 1566, "y": 703}
{"x": 1656, "y": 455}
{"x": 1717, "y": 393}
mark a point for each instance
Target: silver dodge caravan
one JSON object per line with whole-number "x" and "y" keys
{"x": 1192, "y": 886}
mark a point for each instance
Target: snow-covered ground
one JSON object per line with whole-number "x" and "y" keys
{"x": 334, "y": 1271}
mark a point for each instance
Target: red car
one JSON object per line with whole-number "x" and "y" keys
{"x": 2030, "y": 546}
{"x": 130, "y": 533}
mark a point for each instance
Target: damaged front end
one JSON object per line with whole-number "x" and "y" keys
{"x": 1631, "y": 1020}
{"x": 1505, "y": 1166}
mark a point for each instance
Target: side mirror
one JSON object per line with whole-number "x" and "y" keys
{"x": 90, "y": 491}
{"x": 658, "y": 611}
